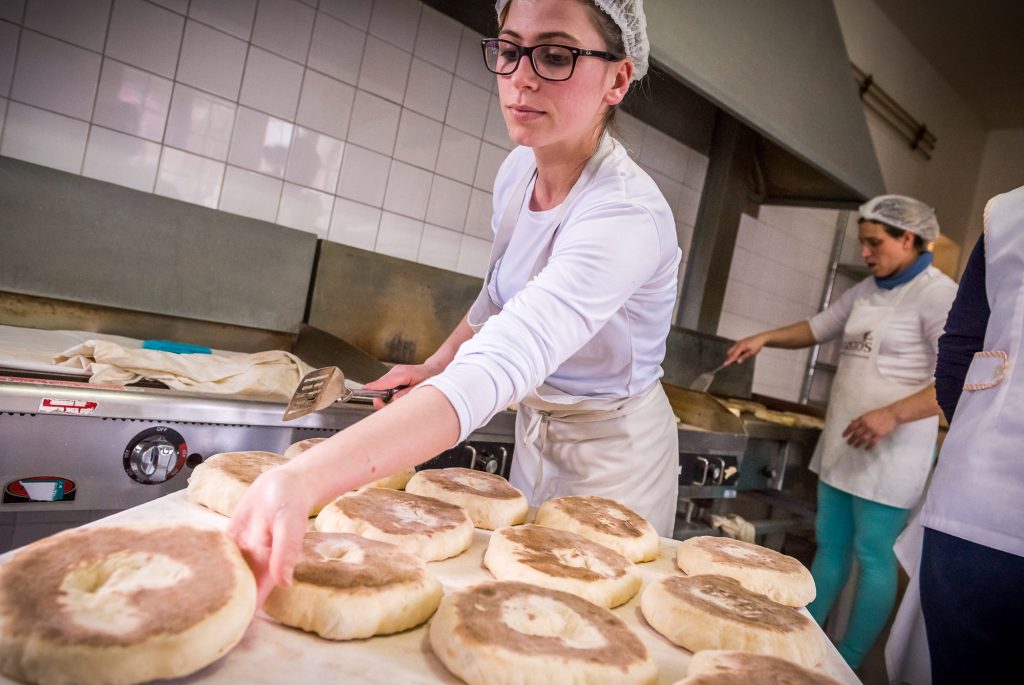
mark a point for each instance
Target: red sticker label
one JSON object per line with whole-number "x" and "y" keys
{"x": 50, "y": 405}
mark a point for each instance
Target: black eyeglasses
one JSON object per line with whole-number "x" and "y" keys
{"x": 550, "y": 62}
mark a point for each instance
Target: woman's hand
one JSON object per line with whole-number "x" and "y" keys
{"x": 745, "y": 349}
{"x": 868, "y": 430}
{"x": 407, "y": 375}
{"x": 268, "y": 526}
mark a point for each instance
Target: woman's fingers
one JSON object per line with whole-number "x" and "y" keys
{"x": 285, "y": 545}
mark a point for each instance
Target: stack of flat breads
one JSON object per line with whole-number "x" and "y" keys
{"x": 365, "y": 570}
{"x": 736, "y": 596}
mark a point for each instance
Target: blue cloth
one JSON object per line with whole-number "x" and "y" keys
{"x": 175, "y": 347}
{"x": 923, "y": 261}
{"x": 972, "y": 602}
{"x": 847, "y": 525}
{"x": 964, "y": 333}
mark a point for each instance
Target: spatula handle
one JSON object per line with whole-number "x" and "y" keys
{"x": 385, "y": 395}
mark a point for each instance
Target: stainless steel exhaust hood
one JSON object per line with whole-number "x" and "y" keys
{"x": 781, "y": 68}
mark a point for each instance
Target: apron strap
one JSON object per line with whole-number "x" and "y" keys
{"x": 484, "y": 307}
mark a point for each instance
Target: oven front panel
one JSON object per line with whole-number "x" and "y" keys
{"x": 90, "y": 453}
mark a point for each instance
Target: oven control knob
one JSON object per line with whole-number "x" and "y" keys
{"x": 194, "y": 460}
{"x": 155, "y": 455}
{"x": 491, "y": 464}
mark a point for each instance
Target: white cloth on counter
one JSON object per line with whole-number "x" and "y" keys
{"x": 33, "y": 349}
{"x": 911, "y": 342}
{"x": 593, "y": 321}
{"x": 272, "y": 374}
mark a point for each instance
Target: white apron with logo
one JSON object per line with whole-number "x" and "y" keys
{"x": 896, "y": 470}
{"x": 625, "y": 449}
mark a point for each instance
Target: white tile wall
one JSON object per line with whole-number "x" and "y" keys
{"x": 399, "y": 236}
{"x": 354, "y": 224}
{"x": 284, "y": 27}
{"x": 132, "y": 101}
{"x": 12, "y": 10}
{"x": 778, "y": 273}
{"x": 419, "y": 139}
{"x": 145, "y": 36}
{"x": 233, "y": 16}
{"x": 200, "y": 122}
{"x": 41, "y": 137}
{"x": 337, "y": 48}
{"x": 250, "y": 194}
{"x": 271, "y": 84}
{"x": 8, "y": 49}
{"x": 82, "y": 22}
{"x": 325, "y": 104}
{"x": 385, "y": 69}
{"x": 189, "y": 177}
{"x": 211, "y": 60}
{"x": 121, "y": 159}
{"x": 56, "y": 76}
{"x": 368, "y": 122}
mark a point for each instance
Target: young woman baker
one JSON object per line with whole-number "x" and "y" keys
{"x": 571, "y": 321}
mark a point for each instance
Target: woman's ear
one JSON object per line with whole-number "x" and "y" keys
{"x": 620, "y": 84}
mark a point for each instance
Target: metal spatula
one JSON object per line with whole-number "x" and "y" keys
{"x": 704, "y": 381}
{"x": 321, "y": 388}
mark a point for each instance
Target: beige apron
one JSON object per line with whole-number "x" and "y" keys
{"x": 896, "y": 470}
{"x": 625, "y": 449}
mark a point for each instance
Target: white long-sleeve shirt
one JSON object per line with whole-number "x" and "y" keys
{"x": 594, "y": 320}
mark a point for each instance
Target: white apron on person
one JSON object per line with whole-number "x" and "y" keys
{"x": 625, "y": 449}
{"x": 895, "y": 471}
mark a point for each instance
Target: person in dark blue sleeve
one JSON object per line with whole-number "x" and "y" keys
{"x": 972, "y": 555}
{"x": 964, "y": 333}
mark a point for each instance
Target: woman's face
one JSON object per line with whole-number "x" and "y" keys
{"x": 883, "y": 254}
{"x": 540, "y": 113}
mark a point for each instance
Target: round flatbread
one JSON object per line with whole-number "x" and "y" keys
{"x": 604, "y": 521}
{"x": 429, "y": 528}
{"x": 346, "y": 586}
{"x": 561, "y": 560}
{"x": 122, "y": 604}
{"x": 715, "y": 612}
{"x": 395, "y": 481}
{"x": 778, "y": 577}
{"x": 500, "y": 633}
{"x": 489, "y": 499}
{"x": 220, "y": 482}
{"x": 726, "y": 667}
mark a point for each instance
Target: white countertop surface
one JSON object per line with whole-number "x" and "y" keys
{"x": 271, "y": 653}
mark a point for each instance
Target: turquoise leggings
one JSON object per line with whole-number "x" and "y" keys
{"x": 847, "y": 524}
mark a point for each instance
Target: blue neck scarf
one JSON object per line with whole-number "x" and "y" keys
{"x": 923, "y": 261}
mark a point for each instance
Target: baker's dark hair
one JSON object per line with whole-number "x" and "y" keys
{"x": 919, "y": 244}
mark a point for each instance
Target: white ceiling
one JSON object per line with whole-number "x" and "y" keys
{"x": 977, "y": 46}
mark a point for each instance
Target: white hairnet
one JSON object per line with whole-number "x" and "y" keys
{"x": 629, "y": 16}
{"x": 905, "y": 213}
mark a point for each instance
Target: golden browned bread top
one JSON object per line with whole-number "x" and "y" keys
{"x": 726, "y": 598}
{"x": 744, "y": 554}
{"x": 400, "y": 513}
{"x": 350, "y": 562}
{"x": 564, "y": 554}
{"x": 244, "y": 467}
{"x": 499, "y": 614}
{"x": 117, "y": 586}
{"x": 602, "y": 514}
{"x": 470, "y": 481}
